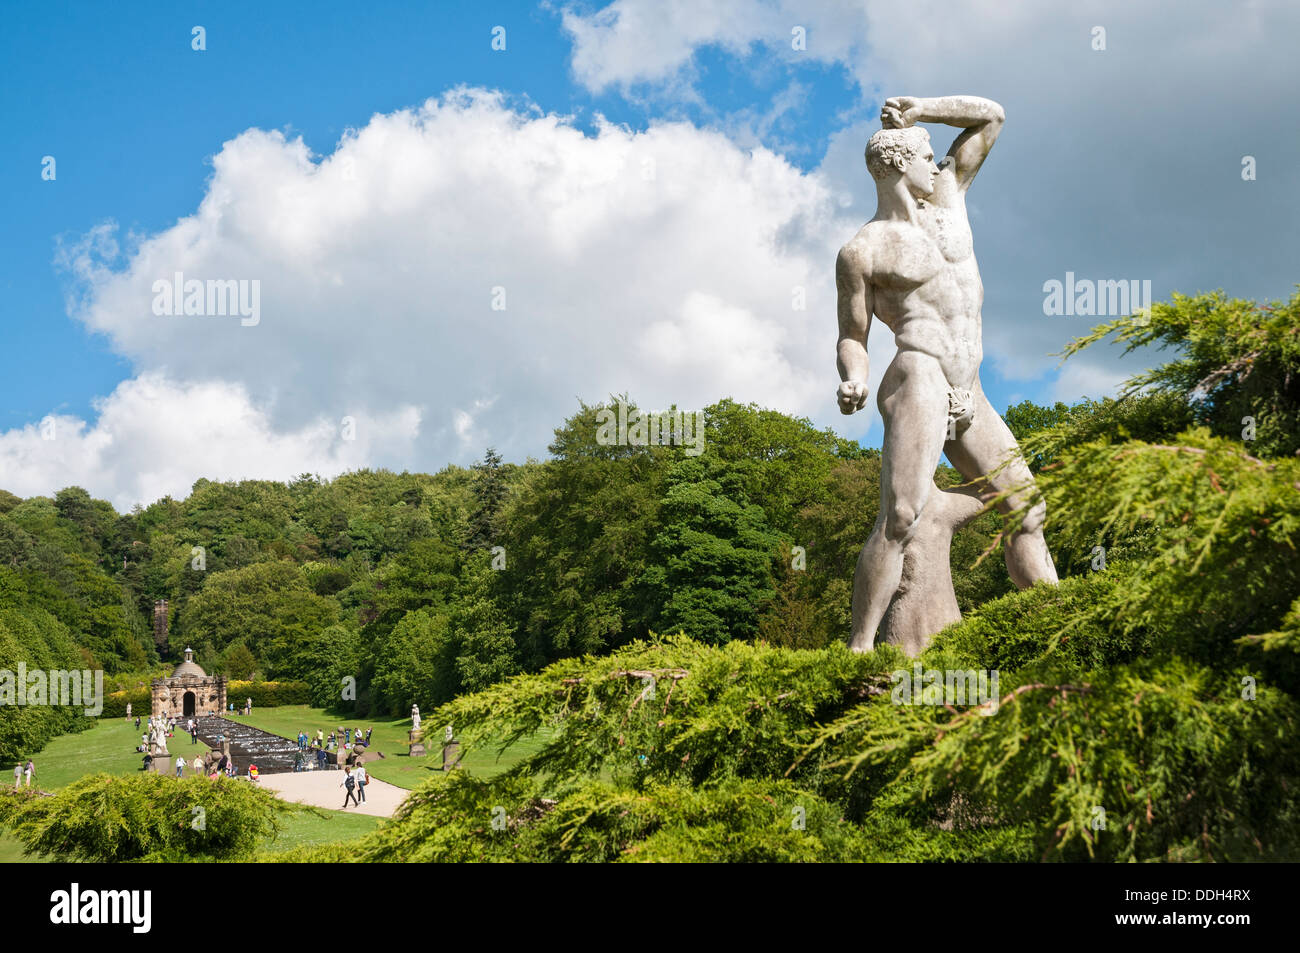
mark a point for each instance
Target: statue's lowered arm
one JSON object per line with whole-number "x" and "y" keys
{"x": 854, "y": 307}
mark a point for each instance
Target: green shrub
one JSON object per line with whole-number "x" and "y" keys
{"x": 1043, "y": 621}
{"x": 268, "y": 694}
{"x": 461, "y": 818}
{"x": 1169, "y": 761}
{"x": 264, "y": 695}
{"x": 141, "y": 700}
{"x": 148, "y": 816}
{"x": 34, "y": 637}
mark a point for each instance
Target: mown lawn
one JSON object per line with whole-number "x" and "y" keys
{"x": 287, "y": 720}
{"x": 109, "y": 747}
{"x": 390, "y": 739}
{"x": 299, "y": 830}
{"x": 303, "y": 829}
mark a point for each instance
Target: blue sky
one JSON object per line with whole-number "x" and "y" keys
{"x": 1110, "y": 167}
{"x": 132, "y": 116}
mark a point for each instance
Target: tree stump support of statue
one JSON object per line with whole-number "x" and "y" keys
{"x": 924, "y": 602}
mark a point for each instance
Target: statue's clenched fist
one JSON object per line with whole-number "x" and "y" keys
{"x": 852, "y": 396}
{"x": 899, "y": 112}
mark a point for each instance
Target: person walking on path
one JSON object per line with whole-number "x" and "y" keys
{"x": 180, "y": 765}
{"x": 362, "y": 780}
{"x": 350, "y": 783}
{"x": 29, "y": 771}
{"x": 18, "y": 775}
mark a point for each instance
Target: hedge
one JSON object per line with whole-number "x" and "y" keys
{"x": 264, "y": 695}
{"x": 115, "y": 703}
{"x": 268, "y": 694}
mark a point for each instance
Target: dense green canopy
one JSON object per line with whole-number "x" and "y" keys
{"x": 675, "y": 621}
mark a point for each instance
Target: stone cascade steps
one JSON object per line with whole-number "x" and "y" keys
{"x": 271, "y": 753}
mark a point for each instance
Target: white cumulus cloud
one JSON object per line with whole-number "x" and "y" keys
{"x": 154, "y": 437}
{"x": 465, "y": 271}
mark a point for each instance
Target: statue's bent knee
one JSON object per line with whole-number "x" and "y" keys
{"x": 900, "y": 521}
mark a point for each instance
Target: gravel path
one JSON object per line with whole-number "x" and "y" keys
{"x": 324, "y": 789}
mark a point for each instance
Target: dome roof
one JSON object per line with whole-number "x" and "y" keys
{"x": 189, "y": 666}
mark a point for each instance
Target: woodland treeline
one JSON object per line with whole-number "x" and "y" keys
{"x": 1157, "y": 684}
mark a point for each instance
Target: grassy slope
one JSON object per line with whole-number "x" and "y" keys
{"x": 389, "y": 738}
{"x": 109, "y": 747}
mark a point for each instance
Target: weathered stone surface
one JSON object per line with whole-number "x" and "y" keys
{"x": 450, "y": 755}
{"x": 924, "y": 602}
{"x": 188, "y": 692}
{"x": 913, "y": 267}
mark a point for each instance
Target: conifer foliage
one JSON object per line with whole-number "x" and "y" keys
{"x": 1147, "y": 708}
{"x": 667, "y": 630}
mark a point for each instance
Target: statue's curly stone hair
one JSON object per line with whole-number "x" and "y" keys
{"x": 894, "y": 148}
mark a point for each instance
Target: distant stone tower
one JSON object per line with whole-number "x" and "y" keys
{"x": 160, "y": 624}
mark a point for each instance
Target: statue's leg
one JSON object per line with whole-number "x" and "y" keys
{"x": 913, "y": 401}
{"x": 982, "y": 449}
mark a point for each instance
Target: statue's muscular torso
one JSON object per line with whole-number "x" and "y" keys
{"x": 926, "y": 285}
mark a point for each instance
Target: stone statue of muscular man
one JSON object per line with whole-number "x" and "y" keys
{"x": 913, "y": 266}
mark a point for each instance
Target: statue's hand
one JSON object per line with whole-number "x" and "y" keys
{"x": 852, "y": 396}
{"x": 899, "y": 112}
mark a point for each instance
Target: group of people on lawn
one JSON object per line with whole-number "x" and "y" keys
{"x": 171, "y": 724}
{"x": 321, "y": 744}
{"x": 355, "y": 778}
{"x": 225, "y": 767}
{"x": 350, "y": 736}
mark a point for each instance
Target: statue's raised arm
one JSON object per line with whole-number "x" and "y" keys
{"x": 980, "y": 118}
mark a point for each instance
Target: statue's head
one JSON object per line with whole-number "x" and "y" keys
{"x": 905, "y": 153}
